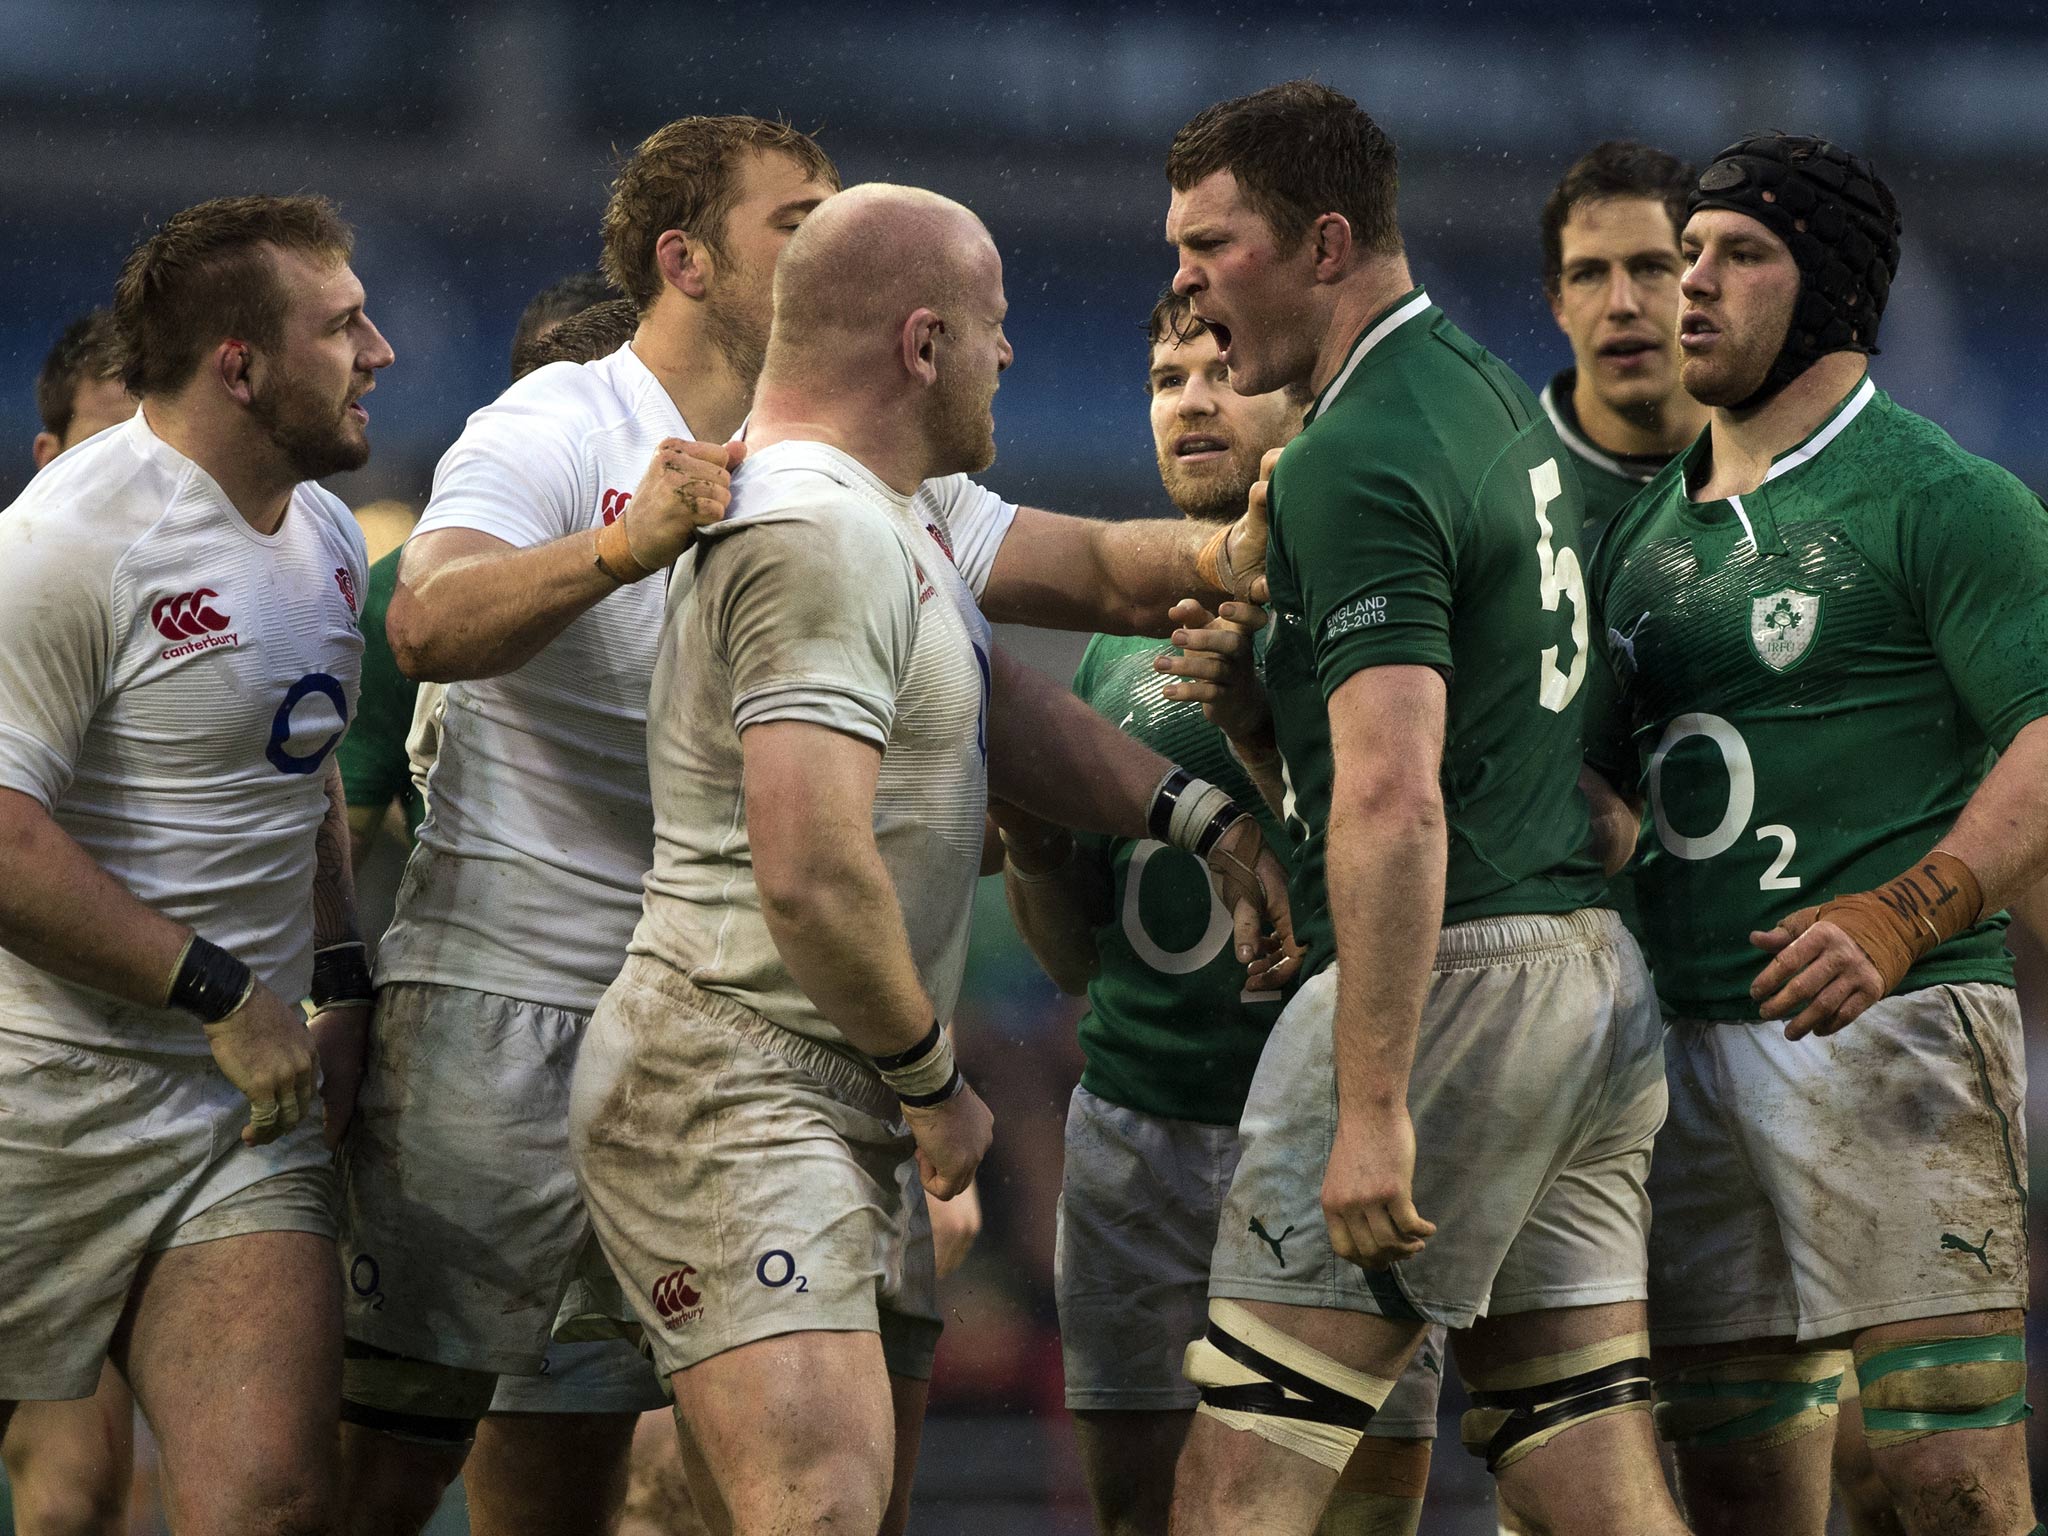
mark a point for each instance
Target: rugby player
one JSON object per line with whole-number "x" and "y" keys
{"x": 70, "y": 1463}
{"x": 526, "y": 588}
{"x": 1826, "y": 622}
{"x": 1610, "y": 271}
{"x": 770, "y": 1076}
{"x": 178, "y": 657}
{"x": 561, "y": 300}
{"x": 79, "y": 392}
{"x": 1171, "y": 1035}
{"x": 1465, "y": 995}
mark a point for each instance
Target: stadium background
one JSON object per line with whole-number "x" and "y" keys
{"x": 471, "y": 148}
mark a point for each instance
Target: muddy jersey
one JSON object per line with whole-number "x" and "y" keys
{"x": 1425, "y": 516}
{"x": 825, "y": 598}
{"x": 172, "y": 683}
{"x": 1812, "y": 679}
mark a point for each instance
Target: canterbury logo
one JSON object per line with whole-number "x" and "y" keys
{"x": 347, "y": 582}
{"x": 188, "y": 615}
{"x": 673, "y": 1295}
{"x": 612, "y": 506}
{"x": 939, "y": 538}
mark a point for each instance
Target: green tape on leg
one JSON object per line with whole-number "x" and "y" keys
{"x": 1784, "y": 1401}
{"x": 2008, "y": 1410}
{"x": 1937, "y": 1385}
{"x": 1918, "y": 1357}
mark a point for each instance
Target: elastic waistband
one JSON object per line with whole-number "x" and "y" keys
{"x": 1489, "y": 941}
{"x": 842, "y": 1071}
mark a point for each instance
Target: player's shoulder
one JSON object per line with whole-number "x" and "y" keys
{"x": 811, "y": 506}
{"x": 98, "y": 500}
{"x": 1919, "y": 462}
{"x": 565, "y": 401}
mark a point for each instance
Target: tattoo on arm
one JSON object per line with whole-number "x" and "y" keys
{"x": 334, "y": 885}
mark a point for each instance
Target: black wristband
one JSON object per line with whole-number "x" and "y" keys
{"x": 896, "y": 1061}
{"x": 926, "y": 1100}
{"x": 1159, "y": 819}
{"x": 341, "y": 975}
{"x": 209, "y": 981}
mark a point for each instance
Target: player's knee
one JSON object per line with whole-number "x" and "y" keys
{"x": 1934, "y": 1386}
{"x": 1261, "y": 1381}
{"x": 1750, "y": 1402}
{"x": 836, "y": 1491}
{"x": 418, "y": 1402}
{"x": 53, "y": 1507}
{"x": 1520, "y": 1408}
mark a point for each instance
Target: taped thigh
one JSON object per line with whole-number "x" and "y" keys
{"x": 416, "y": 1400}
{"x": 1933, "y": 1385}
{"x": 1267, "y": 1383}
{"x": 1522, "y": 1407}
{"x": 1755, "y": 1401}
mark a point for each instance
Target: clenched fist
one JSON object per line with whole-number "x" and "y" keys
{"x": 687, "y": 486}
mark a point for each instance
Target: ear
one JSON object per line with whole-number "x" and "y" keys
{"x": 685, "y": 264}
{"x": 45, "y": 448}
{"x": 918, "y": 342}
{"x": 235, "y": 365}
{"x": 1330, "y": 247}
{"x": 1555, "y": 298}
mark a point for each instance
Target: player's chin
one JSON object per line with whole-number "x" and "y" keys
{"x": 1712, "y": 382}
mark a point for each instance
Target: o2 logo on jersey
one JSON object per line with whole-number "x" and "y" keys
{"x": 612, "y": 506}
{"x": 677, "y": 1300}
{"x": 308, "y": 724}
{"x": 777, "y": 1268}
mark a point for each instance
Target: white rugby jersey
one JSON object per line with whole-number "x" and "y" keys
{"x": 824, "y": 597}
{"x": 171, "y": 685}
{"x": 526, "y": 878}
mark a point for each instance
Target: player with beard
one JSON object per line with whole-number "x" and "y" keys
{"x": 771, "y": 1073}
{"x": 1172, "y": 1034}
{"x": 1610, "y": 271}
{"x": 1836, "y": 669}
{"x": 526, "y": 588}
{"x": 1476, "y": 1039}
{"x": 178, "y": 655}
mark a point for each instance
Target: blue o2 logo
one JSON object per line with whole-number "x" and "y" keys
{"x": 778, "y": 1268}
{"x": 307, "y": 724}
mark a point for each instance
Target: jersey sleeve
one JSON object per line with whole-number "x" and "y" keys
{"x": 1374, "y": 563}
{"x": 1975, "y": 552}
{"x": 374, "y": 766}
{"x": 516, "y": 473}
{"x": 978, "y": 521}
{"x": 815, "y": 616}
{"x": 56, "y": 651}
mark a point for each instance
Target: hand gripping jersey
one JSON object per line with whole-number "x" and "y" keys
{"x": 171, "y": 684}
{"x": 1171, "y": 1029}
{"x": 1813, "y": 678}
{"x": 1425, "y": 516}
{"x": 526, "y": 879}
{"x": 822, "y": 598}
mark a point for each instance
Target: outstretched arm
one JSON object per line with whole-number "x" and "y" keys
{"x": 1057, "y": 898}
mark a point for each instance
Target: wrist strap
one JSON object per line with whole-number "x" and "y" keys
{"x": 1212, "y": 561}
{"x": 615, "y": 554}
{"x": 924, "y": 1075}
{"x": 341, "y": 976}
{"x": 1190, "y": 813}
{"x": 208, "y": 981}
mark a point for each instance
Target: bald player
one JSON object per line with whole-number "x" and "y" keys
{"x": 770, "y": 1077}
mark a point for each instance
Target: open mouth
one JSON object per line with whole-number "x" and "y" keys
{"x": 1219, "y": 332}
{"x": 1198, "y": 447}
{"x": 1626, "y": 349}
{"x": 1695, "y": 330}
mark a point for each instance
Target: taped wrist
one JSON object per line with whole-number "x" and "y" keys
{"x": 208, "y": 981}
{"x": 1933, "y": 1385}
{"x": 615, "y": 554}
{"x": 1523, "y": 1407}
{"x": 1756, "y": 1401}
{"x": 1264, "y": 1382}
{"x": 1212, "y": 562}
{"x": 341, "y": 976}
{"x": 1190, "y": 813}
{"x": 1907, "y": 916}
{"x": 924, "y": 1075}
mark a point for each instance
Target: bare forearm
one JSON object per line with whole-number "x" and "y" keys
{"x": 64, "y": 914}
{"x": 1057, "y": 899}
{"x": 1054, "y": 756}
{"x": 1385, "y": 869}
{"x": 334, "y": 885}
{"x": 840, "y": 931}
{"x": 2002, "y": 833}
{"x": 1616, "y": 824}
{"x": 483, "y": 614}
{"x": 1079, "y": 573}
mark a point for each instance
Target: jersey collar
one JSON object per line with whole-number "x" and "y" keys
{"x": 1758, "y": 526}
{"x": 1557, "y": 405}
{"x": 1826, "y": 433}
{"x": 1377, "y": 330}
{"x": 643, "y": 386}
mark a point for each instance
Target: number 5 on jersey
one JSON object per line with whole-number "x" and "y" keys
{"x": 1558, "y": 578}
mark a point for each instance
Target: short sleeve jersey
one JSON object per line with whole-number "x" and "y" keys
{"x": 1171, "y": 1028}
{"x": 374, "y": 768}
{"x": 825, "y": 598}
{"x": 1610, "y": 480}
{"x": 526, "y": 878}
{"x": 1812, "y": 679}
{"x": 1424, "y": 516}
{"x": 171, "y": 685}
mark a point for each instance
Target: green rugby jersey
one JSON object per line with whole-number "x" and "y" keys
{"x": 1426, "y": 516}
{"x": 374, "y": 767}
{"x": 1610, "y": 480}
{"x": 1170, "y": 1029}
{"x": 1811, "y": 679}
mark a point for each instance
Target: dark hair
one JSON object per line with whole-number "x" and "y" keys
{"x": 1618, "y": 168}
{"x": 686, "y": 176}
{"x": 555, "y": 303}
{"x": 90, "y": 348}
{"x": 1298, "y": 150}
{"x": 207, "y": 275}
{"x": 591, "y": 333}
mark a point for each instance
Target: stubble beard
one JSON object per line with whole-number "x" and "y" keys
{"x": 1221, "y": 499}
{"x": 314, "y": 438}
{"x": 1740, "y": 369}
{"x": 961, "y": 431}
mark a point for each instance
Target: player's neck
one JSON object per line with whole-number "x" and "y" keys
{"x": 696, "y": 373}
{"x": 1743, "y": 443}
{"x": 1375, "y": 285}
{"x": 1652, "y": 428}
{"x": 888, "y": 443}
{"x": 249, "y": 470}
